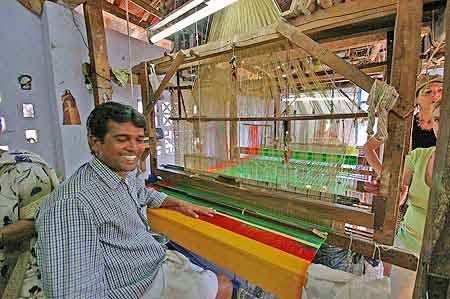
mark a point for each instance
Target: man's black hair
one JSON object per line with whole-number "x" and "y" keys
{"x": 97, "y": 121}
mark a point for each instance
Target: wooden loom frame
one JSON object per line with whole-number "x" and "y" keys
{"x": 351, "y": 18}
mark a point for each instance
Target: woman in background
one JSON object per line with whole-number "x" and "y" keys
{"x": 25, "y": 179}
{"x": 416, "y": 186}
{"x": 428, "y": 92}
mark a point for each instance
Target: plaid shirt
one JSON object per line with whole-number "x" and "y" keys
{"x": 93, "y": 236}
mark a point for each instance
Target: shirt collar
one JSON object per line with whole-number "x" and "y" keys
{"x": 111, "y": 178}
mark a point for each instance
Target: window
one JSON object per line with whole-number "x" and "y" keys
{"x": 2, "y": 125}
{"x": 31, "y": 136}
{"x": 28, "y": 110}
{"x": 139, "y": 106}
{"x": 4, "y": 147}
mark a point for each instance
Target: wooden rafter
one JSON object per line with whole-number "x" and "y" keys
{"x": 145, "y": 5}
{"x": 120, "y": 13}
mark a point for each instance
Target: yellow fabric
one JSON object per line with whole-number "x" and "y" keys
{"x": 413, "y": 224}
{"x": 274, "y": 270}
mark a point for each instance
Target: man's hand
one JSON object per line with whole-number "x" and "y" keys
{"x": 187, "y": 208}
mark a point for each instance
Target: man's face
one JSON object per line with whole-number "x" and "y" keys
{"x": 121, "y": 148}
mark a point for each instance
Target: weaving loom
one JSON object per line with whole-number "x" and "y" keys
{"x": 265, "y": 134}
{"x": 314, "y": 157}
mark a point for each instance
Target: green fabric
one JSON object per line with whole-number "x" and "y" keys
{"x": 413, "y": 224}
{"x": 345, "y": 159}
{"x": 309, "y": 238}
{"x": 318, "y": 176}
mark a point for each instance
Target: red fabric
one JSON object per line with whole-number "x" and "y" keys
{"x": 265, "y": 237}
{"x": 253, "y": 138}
{"x": 153, "y": 187}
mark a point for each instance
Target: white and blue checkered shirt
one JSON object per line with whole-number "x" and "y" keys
{"x": 93, "y": 237}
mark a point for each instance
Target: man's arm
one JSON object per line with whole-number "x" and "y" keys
{"x": 186, "y": 208}
{"x": 68, "y": 251}
{"x": 155, "y": 199}
{"x": 151, "y": 197}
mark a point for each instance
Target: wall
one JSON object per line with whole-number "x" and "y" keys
{"x": 22, "y": 51}
{"x": 52, "y": 50}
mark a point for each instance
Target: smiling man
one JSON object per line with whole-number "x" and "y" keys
{"x": 94, "y": 240}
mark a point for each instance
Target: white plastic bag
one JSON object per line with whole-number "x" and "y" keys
{"x": 153, "y": 77}
{"x": 326, "y": 283}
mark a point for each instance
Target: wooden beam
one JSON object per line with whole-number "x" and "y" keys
{"x": 170, "y": 73}
{"x": 403, "y": 78}
{"x": 434, "y": 261}
{"x": 145, "y": 5}
{"x": 395, "y": 256}
{"x": 355, "y": 13}
{"x": 354, "y": 41}
{"x": 120, "y": 13}
{"x": 98, "y": 54}
{"x": 149, "y": 113}
{"x": 326, "y": 56}
{"x": 278, "y": 118}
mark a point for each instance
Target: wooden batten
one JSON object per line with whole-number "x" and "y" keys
{"x": 326, "y": 56}
{"x": 297, "y": 205}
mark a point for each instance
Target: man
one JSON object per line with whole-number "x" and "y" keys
{"x": 93, "y": 239}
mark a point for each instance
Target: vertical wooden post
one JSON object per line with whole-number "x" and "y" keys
{"x": 435, "y": 262}
{"x": 233, "y": 112}
{"x": 149, "y": 113}
{"x": 389, "y": 50}
{"x": 98, "y": 54}
{"x": 234, "y": 152}
{"x": 403, "y": 78}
